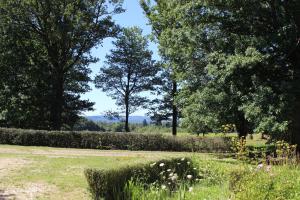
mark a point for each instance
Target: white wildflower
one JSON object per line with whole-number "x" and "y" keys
{"x": 163, "y": 187}
{"x": 174, "y": 177}
{"x": 162, "y": 164}
{"x": 190, "y": 189}
{"x": 189, "y": 176}
{"x": 260, "y": 166}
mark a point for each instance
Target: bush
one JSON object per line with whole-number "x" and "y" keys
{"x": 124, "y": 141}
{"x": 111, "y": 184}
{"x": 84, "y": 124}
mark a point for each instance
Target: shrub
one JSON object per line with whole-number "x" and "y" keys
{"x": 111, "y": 184}
{"x": 84, "y": 124}
{"x": 124, "y": 141}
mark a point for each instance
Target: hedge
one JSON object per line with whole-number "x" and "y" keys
{"x": 260, "y": 151}
{"x": 110, "y": 184}
{"x": 122, "y": 141}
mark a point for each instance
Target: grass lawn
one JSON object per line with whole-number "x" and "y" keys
{"x": 57, "y": 173}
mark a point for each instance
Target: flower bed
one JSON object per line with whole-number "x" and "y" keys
{"x": 167, "y": 174}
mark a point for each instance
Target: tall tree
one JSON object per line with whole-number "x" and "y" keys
{"x": 23, "y": 95}
{"x": 245, "y": 51}
{"x": 62, "y": 33}
{"x": 165, "y": 108}
{"x": 128, "y": 71}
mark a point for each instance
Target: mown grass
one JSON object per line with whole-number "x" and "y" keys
{"x": 63, "y": 171}
{"x": 66, "y": 174}
{"x": 223, "y": 177}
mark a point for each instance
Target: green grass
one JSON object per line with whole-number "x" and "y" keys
{"x": 61, "y": 169}
{"x": 256, "y": 140}
{"x": 214, "y": 184}
{"x": 231, "y": 179}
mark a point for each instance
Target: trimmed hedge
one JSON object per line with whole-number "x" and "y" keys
{"x": 123, "y": 141}
{"x": 110, "y": 184}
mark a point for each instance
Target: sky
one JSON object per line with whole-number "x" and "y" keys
{"x": 133, "y": 16}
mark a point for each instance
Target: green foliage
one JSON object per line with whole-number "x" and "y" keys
{"x": 266, "y": 183}
{"x": 126, "y": 141}
{"x": 252, "y": 153}
{"x": 239, "y": 147}
{"x": 228, "y": 128}
{"x": 150, "y": 129}
{"x": 84, "y": 124}
{"x": 45, "y": 53}
{"x": 165, "y": 108}
{"x": 285, "y": 154}
{"x": 111, "y": 184}
{"x": 128, "y": 71}
{"x": 238, "y": 61}
{"x": 114, "y": 127}
{"x": 211, "y": 183}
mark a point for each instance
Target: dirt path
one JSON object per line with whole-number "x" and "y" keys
{"x": 28, "y": 192}
{"x": 8, "y": 166}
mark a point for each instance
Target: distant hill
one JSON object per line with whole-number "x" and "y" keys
{"x": 132, "y": 119}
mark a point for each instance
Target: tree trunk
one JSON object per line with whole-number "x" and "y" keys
{"x": 174, "y": 109}
{"x": 295, "y": 126}
{"x": 242, "y": 126}
{"x": 57, "y": 102}
{"x": 126, "y": 112}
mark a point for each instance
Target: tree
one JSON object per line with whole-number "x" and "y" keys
{"x": 23, "y": 97}
{"x": 165, "y": 108}
{"x": 212, "y": 39}
{"x": 145, "y": 123}
{"x": 62, "y": 34}
{"x": 112, "y": 115}
{"x": 128, "y": 71}
{"x": 84, "y": 124}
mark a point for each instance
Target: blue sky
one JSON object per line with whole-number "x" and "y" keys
{"x": 133, "y": 16}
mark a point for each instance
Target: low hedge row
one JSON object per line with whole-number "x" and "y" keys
{"x": 260, "y": 151}
{"x": 110, "y": 184}
{"x": 123, "y": 141}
